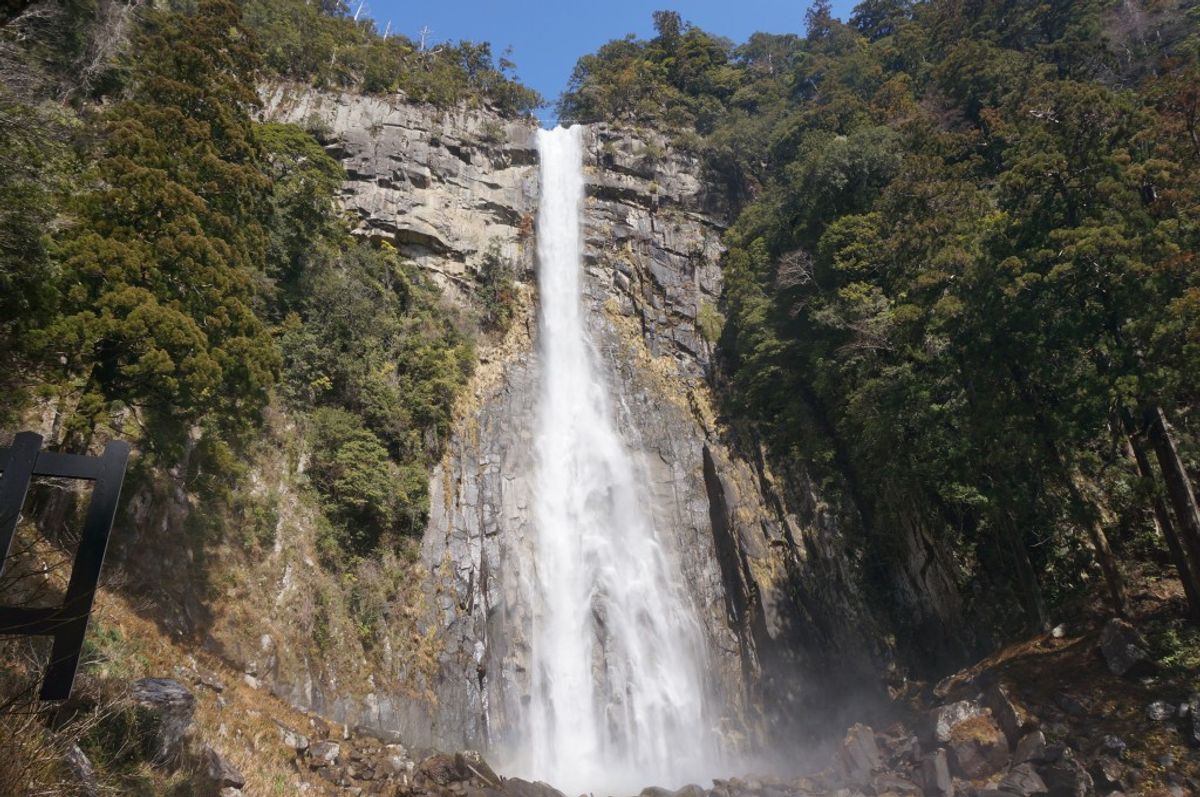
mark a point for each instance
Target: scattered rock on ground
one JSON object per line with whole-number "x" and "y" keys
{"x": 1124, "y": 650}
{"x": 83, "y": 771}
{"x": 1032, "y": 747}
{"x": 860, "y": 753}
{"x": 1012, "y": 719}
{"x": 220, "y": 772}
{"x": 1160, "y": 711}
{"x": 1024, "y": 780}
{"x": 170, "y": 706}
{"x": 946, "y": 717}
{"x": 978, "y": 747}
{"x": 324, "y": 754}
{"x": 935, "y": 775}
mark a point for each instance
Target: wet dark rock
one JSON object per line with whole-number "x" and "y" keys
{"x": 1113, "y": 745}
{"x": 219, "y": 772}
{"x": 1070, "y": 704}
{"x": 1124, "y": 650}
{"x": 1023, "y": 780}
{"x": 935, "y": 775}
{"x": 860, "y": 753}
{"x": 516, "y": 787}
{"x": 1032, "y": 747}
{"x": 978, "y": 747}
{"x": 170, "y": 707}
{"x": 1067, "y": 778}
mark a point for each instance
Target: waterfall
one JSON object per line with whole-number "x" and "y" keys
{"x": 617, "y": 672}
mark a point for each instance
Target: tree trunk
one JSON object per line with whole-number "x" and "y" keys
{"x": 1162, "y": 516}
{"x": 1179, "y": 484}
{"x": 1029, "y": 589}
{"x": 1082, "y": 510}
{"x": 1087, "y": 515}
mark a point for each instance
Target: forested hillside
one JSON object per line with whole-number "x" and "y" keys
{"x": 170, "y": 265}
{"x": 175, "y": 271}
{"x": 963, "y": 285}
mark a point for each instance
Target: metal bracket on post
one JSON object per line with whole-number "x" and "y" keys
{"x": 68, "y": 622}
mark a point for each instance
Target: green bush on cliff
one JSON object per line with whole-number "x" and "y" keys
{"x": 322, "y": 44}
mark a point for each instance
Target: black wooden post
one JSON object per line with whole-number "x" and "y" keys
{"x": 67, "y": 623}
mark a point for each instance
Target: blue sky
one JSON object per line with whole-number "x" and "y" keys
{"x": 548, "y": 37}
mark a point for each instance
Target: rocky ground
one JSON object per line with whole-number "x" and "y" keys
{"x": 1096, "y": 706}
{"x": 1062, "y": 714}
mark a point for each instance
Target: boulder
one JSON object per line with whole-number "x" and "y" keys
{"x": 1032, "y": 747}
{"x": 1024, "y": 780}
{"x": 978, "y": 747}
{"x": 323, "y": 754}
{"x": 1194, "y": 725}
{"x": 1067, "y": 777}
{"x": 516, "y": 787}
{"x": 378, "y": 734}
{"x": 655, "y": 791}
{"x": 1107, "y": 772}
{"x": 293, "y": 738}
{"x": 169, "y": 707}
{"x": 1124, "y": 650}
{"x": 691, "y": 790}
{"x": 83, "y": 771}
{"x": 860, "y": 753}
{"x": 944, "y": 718}
{"x": 1011, "y": 718}
{"x": 1160, "y": 711}
{"x": 1113, "y": 745}
{"x": 220, "y": 773}
{"x": 889, "y": 783}
{"x": 935, "y": 775}
{"x": 1071, "y": 705}
{"x": 470, "y": 763}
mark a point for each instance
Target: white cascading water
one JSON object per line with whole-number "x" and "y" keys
{"x": 618, "y": 695}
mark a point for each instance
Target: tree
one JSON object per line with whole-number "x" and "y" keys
{"x": 158, "y": 287}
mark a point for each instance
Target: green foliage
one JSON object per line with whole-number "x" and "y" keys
{"x": 156, "y": 300}
{"x": 963, "y": 248}
{"x": 710, "y": 322}
{"x": 33, "y": 160}
{"x": 681, "y": 78}
{"x": 352, "y": 470}
{"x": 321, "y": 44}
{"x": 496, "y": 295}
{"x": 199, "y": 267}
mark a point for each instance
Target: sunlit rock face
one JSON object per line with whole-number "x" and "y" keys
{"x": 441, "y": 185}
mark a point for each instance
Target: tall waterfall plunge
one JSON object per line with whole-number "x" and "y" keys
{"x": 618, "y": 657}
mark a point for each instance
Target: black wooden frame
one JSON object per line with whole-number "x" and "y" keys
{"x": 68, "y": 622}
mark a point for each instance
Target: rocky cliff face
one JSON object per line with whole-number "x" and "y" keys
{"x": 765, "y": 564}
{"x": 771, "y": 575}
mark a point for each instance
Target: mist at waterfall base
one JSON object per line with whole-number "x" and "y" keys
{"x": 618, "y": 684}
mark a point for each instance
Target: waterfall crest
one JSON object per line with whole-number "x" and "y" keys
{"x": 618, "y": 656}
